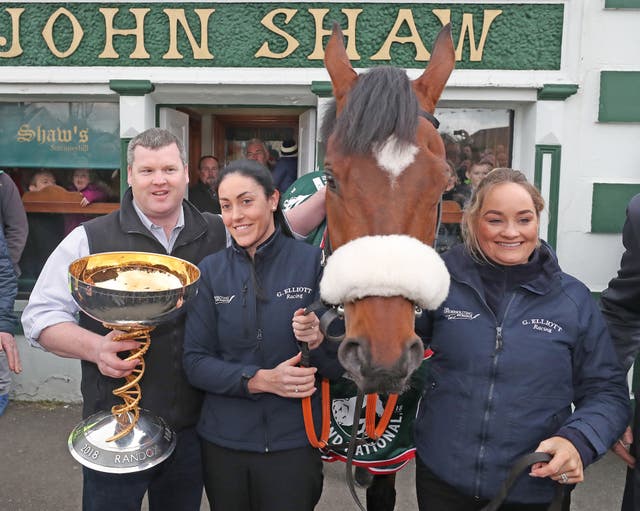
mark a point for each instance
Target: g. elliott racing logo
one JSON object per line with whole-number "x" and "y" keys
{"x": 294, "y": 293}
{"x": 223, "y": 299}
{"x": 458, "y": 314}
{"x": 542, "y": 325}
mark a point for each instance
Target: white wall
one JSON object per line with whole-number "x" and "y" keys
{"x": 592, "y": 151}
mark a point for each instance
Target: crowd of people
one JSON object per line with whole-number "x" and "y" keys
{"x": 523, "y": 358}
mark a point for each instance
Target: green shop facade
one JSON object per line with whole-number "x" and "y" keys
{"x": 538, "y": 86}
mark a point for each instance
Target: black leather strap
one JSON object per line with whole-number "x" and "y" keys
{"x": 522, "y": 464}
{"x": 327, "y": 316}
{"x": 351, "y": 450}
{"x": 431, "y": 118}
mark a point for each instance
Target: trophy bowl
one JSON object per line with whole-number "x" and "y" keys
{"x": 132, "y": 288}
{"x": 131, "y": 292}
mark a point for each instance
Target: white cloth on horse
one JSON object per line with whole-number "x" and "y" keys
{"x": 393, "y": 265}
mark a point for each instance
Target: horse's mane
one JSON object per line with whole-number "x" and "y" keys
{"x": 380, "y": 104}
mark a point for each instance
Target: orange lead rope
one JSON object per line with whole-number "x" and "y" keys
{"x": 374, "y": 432}
{"x": 307, "y": 414}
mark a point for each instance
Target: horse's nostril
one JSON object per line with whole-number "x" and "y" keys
{"x": 351, "y": 354}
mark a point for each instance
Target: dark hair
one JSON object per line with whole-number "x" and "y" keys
{"x": 381, "y": 103}
{"x": 206, "y": 156}
{"x": 261, "y": 175}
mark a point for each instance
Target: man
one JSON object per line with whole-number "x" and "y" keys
{"x": 8, "y": 349}
{"x": 257, "y": 150}
{"x": 15, "y": 228}
{"x": 153, "y": 217}
{"x": 621, "y": 307}
{"x": 285, "y": 171}
{"x": 203, "y": 194}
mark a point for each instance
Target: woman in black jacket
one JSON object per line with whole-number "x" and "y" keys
{"x": 241, "y": 349}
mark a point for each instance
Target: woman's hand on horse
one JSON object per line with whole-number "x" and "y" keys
{"x": 306, "y": 328}
{"x": 285, "y": 380}
{"x": 566, "y": 465}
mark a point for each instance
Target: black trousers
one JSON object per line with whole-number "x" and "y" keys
{"x": 436, "y": 495}
{"x": 251, "y": 481}
{"x": 381, "y": 495}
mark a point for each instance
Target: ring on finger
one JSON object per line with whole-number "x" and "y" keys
{"x": 563, "y": 478}
{"x": 296, "y": 391}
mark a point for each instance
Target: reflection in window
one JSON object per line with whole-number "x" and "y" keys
{"x": 476, "y": 141}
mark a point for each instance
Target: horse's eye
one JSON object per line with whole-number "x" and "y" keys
{"x": 330, "y": 179}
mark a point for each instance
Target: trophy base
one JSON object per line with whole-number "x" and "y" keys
{"x": 149, "y": 443}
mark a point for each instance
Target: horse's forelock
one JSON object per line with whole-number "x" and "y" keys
{"x": 381, "y": 104}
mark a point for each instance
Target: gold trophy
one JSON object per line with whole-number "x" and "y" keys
{"x": 131, "y": 292}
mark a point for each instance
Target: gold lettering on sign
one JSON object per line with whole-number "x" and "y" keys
{"x": 475, "y": 52}
{"x": 404, "y": 16}
{"x": 292, "y": 42}
{"x": 200, "y": 51}
{"x": 109, "y": 52}
{"x": 68, "y": 140}
{"x": 321, "y": 33}
{"x": 47, "y": 33}
{"x": 444, "y": 15}
{"x": 15, "y": 49}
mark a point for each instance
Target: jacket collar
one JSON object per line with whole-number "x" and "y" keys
{"x": 268, "y": 248}
{"x": 465, "y": 269}
{"x": 194, "y": 223}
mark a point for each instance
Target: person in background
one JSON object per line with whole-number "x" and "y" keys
{"x": 449, "y": 234}
{"x": 285, "y": 171}
{"x": 620, "y": 304}
{"x": 153, "y": 217}
{"x": 46, "y": 230}
{"x": 475, "y": 173}
{"x": 452, "y": 191}
{"x": 522, "y": 362}
{"x": 83, "y": 181}
{"x": 13, "y": 219}
{"x": 241, "y": 349}
{"x": 203, "y": 194}
{"x": 257, "y": 150}
{"x": 12, "y": 240}
{"x": 41, "y": 179}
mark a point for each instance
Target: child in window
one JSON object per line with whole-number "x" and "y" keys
{"x": 45, "y": 232}
{"x": 82, "y": 181}
{"x": 41, "y": 179}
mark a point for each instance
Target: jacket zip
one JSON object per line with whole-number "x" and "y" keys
{"x": 489, "y": 401}
{"x": 245, "y": 290}
{"x": 260, "y": 348}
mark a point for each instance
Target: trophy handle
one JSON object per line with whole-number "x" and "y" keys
{"x": 127, "y": 413}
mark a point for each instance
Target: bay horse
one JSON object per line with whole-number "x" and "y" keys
{"x": 386, "y": 170}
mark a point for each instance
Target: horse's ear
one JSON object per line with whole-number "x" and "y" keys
{"x": 343, "y": 77}
{"x": 431, "y": 83}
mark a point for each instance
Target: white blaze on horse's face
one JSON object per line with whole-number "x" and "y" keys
{"x": 394, "y": 156}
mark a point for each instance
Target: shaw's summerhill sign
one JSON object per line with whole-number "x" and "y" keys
{"x": 487, "y": 36}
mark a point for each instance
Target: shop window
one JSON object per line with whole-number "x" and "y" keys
{"x": 64, "y": 158}
{"x": 476, "y": 140}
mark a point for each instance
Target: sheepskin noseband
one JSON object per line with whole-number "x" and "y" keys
{"x": 394, "y": 265}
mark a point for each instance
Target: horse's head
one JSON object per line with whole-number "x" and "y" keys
{"x": 386, "y": 171}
